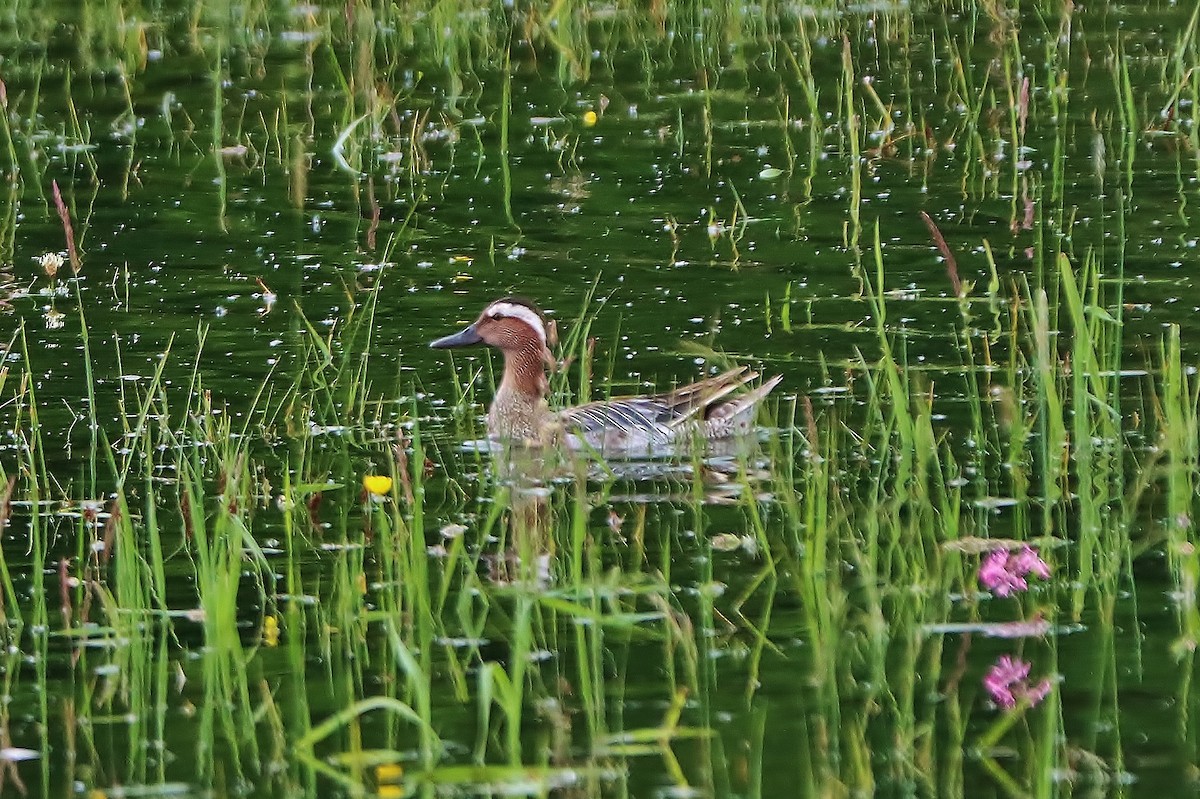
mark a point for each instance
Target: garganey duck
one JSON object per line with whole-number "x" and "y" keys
{"x": 709, "y": 409}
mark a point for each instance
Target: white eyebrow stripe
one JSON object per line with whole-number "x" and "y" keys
{"x": 515, "y": 311}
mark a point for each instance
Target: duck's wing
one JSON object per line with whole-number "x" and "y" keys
{"x": 627, "y": 415}
{"x": 661, "y": 414}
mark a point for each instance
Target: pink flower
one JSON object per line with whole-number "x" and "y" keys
{"x": 1038, "y": 692}
{"x": 1003, "y": 572}
{"x": 996, "y": 576}
{"x": 992, "y": 568}
{"x": 1001, "y": 694}
{"x": 1007, "y": 683}
{"x": 1027, "y": 561}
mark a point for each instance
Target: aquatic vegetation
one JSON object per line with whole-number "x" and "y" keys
{"x": 254, "y": 539}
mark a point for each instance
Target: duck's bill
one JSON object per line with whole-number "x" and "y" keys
{"x": 463, "y": 338}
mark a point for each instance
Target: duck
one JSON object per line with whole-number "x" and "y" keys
{"x": 715, "y": 408}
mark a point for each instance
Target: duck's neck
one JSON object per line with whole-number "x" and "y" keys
{"x": 519, "y": 410}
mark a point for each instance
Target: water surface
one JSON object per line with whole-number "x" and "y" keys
{"x": 281, "y": 204}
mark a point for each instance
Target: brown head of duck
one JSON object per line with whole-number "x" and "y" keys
{"x": 517, "y": 328}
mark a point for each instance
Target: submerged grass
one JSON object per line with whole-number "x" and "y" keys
{"x": 871, "y": 544}
{"x": 212, "y": 580}
{"x": 459, "y": 631}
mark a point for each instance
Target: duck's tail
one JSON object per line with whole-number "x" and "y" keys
{"x": 737, "y": 415}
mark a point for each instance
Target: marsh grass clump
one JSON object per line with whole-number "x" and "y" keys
{"x": 259, "y": 553}
{"x": 498, "y": 601}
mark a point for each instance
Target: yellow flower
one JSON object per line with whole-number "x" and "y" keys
{"x": 590, "y": 119}
{"x": 389, "y": 772}
{"x": 377, "y": 484}
{"x": 389, "y": 775}
{"x": 270, "y": 631}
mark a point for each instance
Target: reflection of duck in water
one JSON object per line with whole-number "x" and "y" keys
{"x": 710, "y": 410}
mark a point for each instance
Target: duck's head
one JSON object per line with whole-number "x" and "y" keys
{"x": 510, "y": 324}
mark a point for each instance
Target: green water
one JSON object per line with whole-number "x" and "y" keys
{"x": 275, "y": 206}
